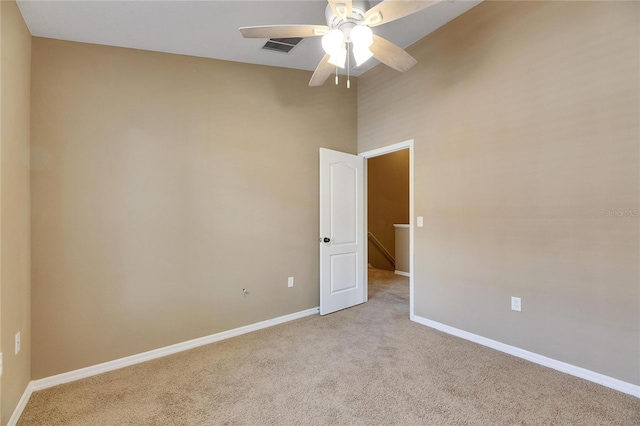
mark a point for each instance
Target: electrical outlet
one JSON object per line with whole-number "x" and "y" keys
{"x": 516, "y": 304}
{"x": 17, "y": 342}
{"x": 290, "y": 282}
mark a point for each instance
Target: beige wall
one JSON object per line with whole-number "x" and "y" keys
{"x": 15, "y": 249}
{"x": 526, "y": 128}
{"x": 162, "y": 185}
{"x": 402, "y": 253}
{"x": 1, "y": 334}
{"x": 387, "y": 202}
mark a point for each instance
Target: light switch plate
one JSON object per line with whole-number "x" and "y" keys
{"x": 420, "y": 221}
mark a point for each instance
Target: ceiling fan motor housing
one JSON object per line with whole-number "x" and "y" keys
{"x": 359, "y": 7}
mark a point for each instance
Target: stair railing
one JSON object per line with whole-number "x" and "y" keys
{"x": 376, "y": 242}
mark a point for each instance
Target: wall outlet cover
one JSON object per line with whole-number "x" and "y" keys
{"x": 516, "y": 304}
{"x": 290, "y": 282}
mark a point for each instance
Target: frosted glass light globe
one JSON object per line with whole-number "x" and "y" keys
{"x": 361, "y": 36}
{"x": 362, "y": 55}
{"x": 332, "y": 41}
{"x": 339, "y": 57}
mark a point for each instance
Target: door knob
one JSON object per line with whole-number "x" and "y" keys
{"x": 326, "y": 239}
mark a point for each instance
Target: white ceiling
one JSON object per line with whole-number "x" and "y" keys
{"x": 210, "y": 28}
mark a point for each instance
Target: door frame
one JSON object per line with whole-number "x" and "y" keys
{"x": 408, "y": 144}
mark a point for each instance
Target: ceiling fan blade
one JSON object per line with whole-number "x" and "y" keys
{"x": 391, "y": 55}
{"x": 341, "y": 8}
{"x": 322, "y": 72}
{"x": 284, "y": 31}
{"x": 390, "y": 10}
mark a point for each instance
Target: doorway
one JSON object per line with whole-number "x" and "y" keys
{"x": 381, "y": 248}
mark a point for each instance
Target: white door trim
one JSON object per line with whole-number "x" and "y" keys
{"x": 408, "y": 144}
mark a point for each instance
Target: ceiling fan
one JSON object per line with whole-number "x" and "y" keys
{"x": 348, "y": 30}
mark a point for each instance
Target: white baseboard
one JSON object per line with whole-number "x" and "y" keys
{"x": 21, "y": 404}
{"x": 583, "y": 373}
{"x": 404, "y": 274}
{"x": 167, "y": 350}
{"x": 47, "y": 382}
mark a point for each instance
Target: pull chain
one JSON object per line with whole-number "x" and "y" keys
{"x": 348, "y": 66}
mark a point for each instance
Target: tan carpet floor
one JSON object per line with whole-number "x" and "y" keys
{"x": 364, "y": 365}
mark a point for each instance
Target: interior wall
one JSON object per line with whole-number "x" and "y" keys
{"x": 1, "y": 334}
{"x": 15, "y": 303}
{"x": 387, "y": 202}
{"x": 162, "y": 186}
{"x": 403, "y": 249}
{"x": 525, "y": 119}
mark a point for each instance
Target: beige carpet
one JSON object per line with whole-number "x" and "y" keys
{"x": 364, "y": 365}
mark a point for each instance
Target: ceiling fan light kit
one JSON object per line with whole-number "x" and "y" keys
{"x": 348, "y": 28}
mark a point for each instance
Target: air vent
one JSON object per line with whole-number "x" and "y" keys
{"x": 282, "y": 44}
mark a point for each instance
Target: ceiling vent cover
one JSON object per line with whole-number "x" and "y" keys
{"x": 284, "y": 45}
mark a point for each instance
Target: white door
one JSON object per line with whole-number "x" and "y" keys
{"x": 342, "y": 262}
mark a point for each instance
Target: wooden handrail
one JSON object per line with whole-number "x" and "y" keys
{"x": 382, "y": 248}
